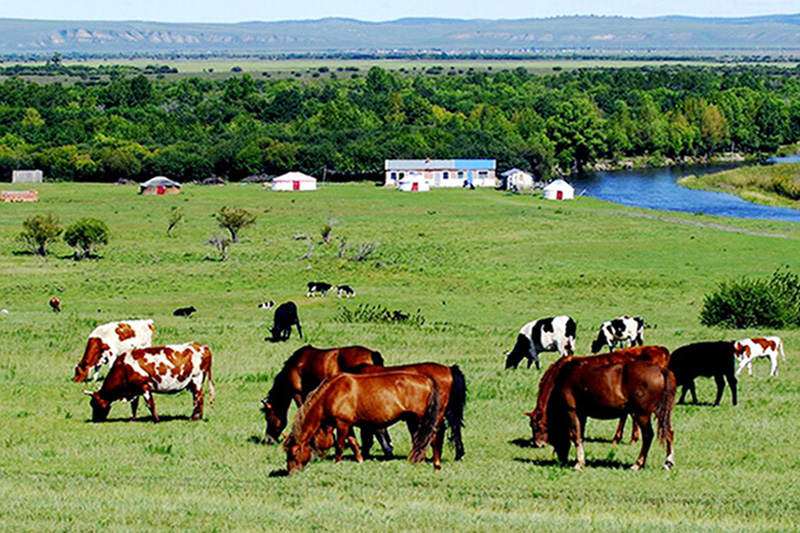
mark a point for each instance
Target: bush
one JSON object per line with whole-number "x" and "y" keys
{"x": 749, "y": 303}
{"x": 39, "y": 231}
{"x": 235, "y": 220}
{"x": 86, "y": 235}
{"x": 365, "y": 313}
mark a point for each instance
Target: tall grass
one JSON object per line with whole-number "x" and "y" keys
{"x": 477, "y": 265}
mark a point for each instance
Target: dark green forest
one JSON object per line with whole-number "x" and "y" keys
{"x": 135, "y": 126}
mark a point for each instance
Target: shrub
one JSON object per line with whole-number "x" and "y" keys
{"x": 39, "y": 231}
{"x": 364, "y": 313}
{"x": 747, "y": 303}
{"x": 221, "y": 243}
{"x": 86, "y": 235}
{"x": 235, "y": 220}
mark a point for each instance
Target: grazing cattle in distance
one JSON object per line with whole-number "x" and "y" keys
{"x": 748, "y": 350}
{"x": 543, "y": 335}
{"x": 108, "y": 341}
{"x": 345, "y": 291}
{"x": 285, "y": 317}
{"x": 619, "y": 330}
{"x": 160, "y": 369}
{"x": 367, "y": 400}
{"x": 55, "y": 304}
{"x": 184, "y": 311}
{"x": 318, "y": 287}
{"x": 604, "y": 386}
{"x": 707, "y": 359}
{"x": 267, "y": 305}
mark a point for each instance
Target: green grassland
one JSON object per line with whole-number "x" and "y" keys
{"x": 777, "y": 185}
{"x": 477, "y": 265}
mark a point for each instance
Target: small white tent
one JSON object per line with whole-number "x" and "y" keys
{"x": 414, "y": 182}
{"x": 558, "y": 190}
{"x": 294, "y": 181}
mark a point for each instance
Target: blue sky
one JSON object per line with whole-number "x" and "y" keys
{"x": 376, "y": 10}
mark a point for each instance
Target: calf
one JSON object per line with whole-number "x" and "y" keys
{"x": 747, "y": 350}
{"x": 619, "y": 330}
{"x": 267, "y": 305}
{"x": 543, "y": 335}
{"x": 708, "y": 359}
{"x": 55, "y": 304}
{"x": 162, "y": 369}
{"x": 285, "y": 317}
{"x": 345, "y": 291}
{"x": 318, "y": 287}
{"x": 106, "y": 342}
{"x": 184, "y": 311}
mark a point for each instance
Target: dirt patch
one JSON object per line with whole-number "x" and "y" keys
{"x": 712, "y": 225}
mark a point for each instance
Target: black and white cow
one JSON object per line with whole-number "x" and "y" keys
{"x": 555, "y": 334}
{"x": 269, "y": 304}
{"x": 619, "y": 330}
{"x": 285, "y": 317}
{"x": 318, "y": 287}
{"x": 345, "y": 291}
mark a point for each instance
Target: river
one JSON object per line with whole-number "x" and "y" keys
{"x": 657, "y": 188}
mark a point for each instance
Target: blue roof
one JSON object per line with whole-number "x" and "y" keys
{"x": 439, "y": 164}
{"x": 474, "y": 164}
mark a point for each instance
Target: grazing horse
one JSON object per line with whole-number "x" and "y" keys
{"x": 656, "y": 354}
{"x": 305, "y": 369}
{"x": 606, "y": 386}
{"x": 369, "y": 401}
{"x": 453, "y": 388}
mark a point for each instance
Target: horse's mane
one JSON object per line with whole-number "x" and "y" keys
{"x": 548, "y": 381}
{"x": 309, "y": 404}
{"x": 280, "y": 381}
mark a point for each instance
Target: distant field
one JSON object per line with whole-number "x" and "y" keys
{"x": 477, "y": 265}
{"x": 777, "y": 185}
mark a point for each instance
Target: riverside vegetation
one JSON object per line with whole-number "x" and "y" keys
{"x": 476, "y": 265}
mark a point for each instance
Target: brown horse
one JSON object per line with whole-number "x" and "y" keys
{"x": 656, "y": 354}
{"x": 453, "y": 388}
{"x": 606, "y": 386}
{"x": 369, "y": 401}
{"x": 305, "y": 369}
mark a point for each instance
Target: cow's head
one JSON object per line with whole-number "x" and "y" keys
{"x": 96, "y": 352}
{"x": 275, "y": 423}
{"x": 100, "y": 407}
{"x": 297, "y": 455}
{"x": 598, "y": 343}
{"x": 538, "y": 428}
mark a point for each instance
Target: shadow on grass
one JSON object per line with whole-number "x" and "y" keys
{"x": 281, "y": 472}
{"x": 148, "y": 419}
{"x": 590, "y": 463}
{"x": 523, "y": 443}
{"x": 698, "y": 404}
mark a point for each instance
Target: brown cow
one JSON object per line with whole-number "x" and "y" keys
{"x": 55, "y": 304}
{"x": 163, "y": 369}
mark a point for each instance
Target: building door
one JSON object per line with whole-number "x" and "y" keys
{"x": 295, "y": 185}
{"x": 160, "y": 189}
{"x": 415, "y": 186}
{"x": 559, "y": 195}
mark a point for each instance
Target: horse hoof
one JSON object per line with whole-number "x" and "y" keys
{"x": 578, "y": 467}
{"x": 668, "y": 465}
{"x": 635, "y": 467}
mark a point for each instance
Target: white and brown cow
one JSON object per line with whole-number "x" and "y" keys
{"x": 747, "y": 350}
{"x": 618, "y": 331}
{"x": 543, "y": 335}
{"x": 160, "y": 369}
{"x": 108, "y": 341}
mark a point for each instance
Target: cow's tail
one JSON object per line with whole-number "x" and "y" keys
{"x": 454, "y": 413}
{"x": 211, "y": 394}
{"x": 427, "y": 425}
{"x": 377, "y": 358}
{"x": 664, "y": 407}
{"x": 783, "y": 354}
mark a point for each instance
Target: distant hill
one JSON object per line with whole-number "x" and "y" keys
{"x": 337, "y": 35}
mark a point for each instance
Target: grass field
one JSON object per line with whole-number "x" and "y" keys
{"x": 771, "y": 185}
{"x": 477, "y": 265}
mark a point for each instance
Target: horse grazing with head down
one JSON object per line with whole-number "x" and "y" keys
{"x": 604, "y": 386}
{"x": 305, "y": 369}
{"x": 369, "y": 401}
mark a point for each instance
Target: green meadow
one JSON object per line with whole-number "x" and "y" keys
{"x": 476, "y": 265}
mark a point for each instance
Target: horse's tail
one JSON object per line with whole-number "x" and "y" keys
{"x": 427, "y": 425}
{"x": 454, "y": 412}
{"x": 664, "y": 407}
{"x": 377, "y": 358}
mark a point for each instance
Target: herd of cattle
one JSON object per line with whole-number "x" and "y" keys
{"x": 341, "y": 388}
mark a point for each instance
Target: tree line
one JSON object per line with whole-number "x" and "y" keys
{"x": 134, "y": 127}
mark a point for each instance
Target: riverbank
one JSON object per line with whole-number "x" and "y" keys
{"x": 775, "y": 185}
{"x": 657, "y": 161}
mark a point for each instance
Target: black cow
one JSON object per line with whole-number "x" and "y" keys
{"x": 707, "y": 359}
{"x": 345, "y": 291}
{"x": 318, "y": 287}
{"x": 285, "y": 317}
{"x": 184, "y": 311}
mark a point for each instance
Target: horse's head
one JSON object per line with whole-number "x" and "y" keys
{"x": 275, "y": 423}
{"x": 297, "y": 454}
{"x": 538, "y": 428}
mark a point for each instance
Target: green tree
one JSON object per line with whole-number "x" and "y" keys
{"x": 86, "y": 235}
{"x": 234, "y": 220}
{"x": 39, "y": 231}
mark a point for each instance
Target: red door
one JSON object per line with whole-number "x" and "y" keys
{"x": 160, "y": 189}
{"x": 559, "y": 195}
{"x": 415, "y": 186}
{"x": 295, "y": 185}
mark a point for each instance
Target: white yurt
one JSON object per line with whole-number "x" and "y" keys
{"x": 414, "y": 182}
{"x": 294, "y": 181}
{"x": 558, "y": 190}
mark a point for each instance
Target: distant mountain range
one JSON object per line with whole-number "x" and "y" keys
{"x": 338, "y": 35}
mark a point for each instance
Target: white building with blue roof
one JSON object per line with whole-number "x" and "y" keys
{"x": 442, "y": 172}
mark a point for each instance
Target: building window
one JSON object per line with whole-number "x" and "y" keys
{"x": 483, "y": 174}
{"x": 402, "y": 175}
{"x": 393, "y": 176}
{"x": 446, "y": 175}
{"x": 460, "y": 175}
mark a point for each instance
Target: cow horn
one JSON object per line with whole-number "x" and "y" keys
{"x": 88, "y": 393}
{"x": 528, "y": 413}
